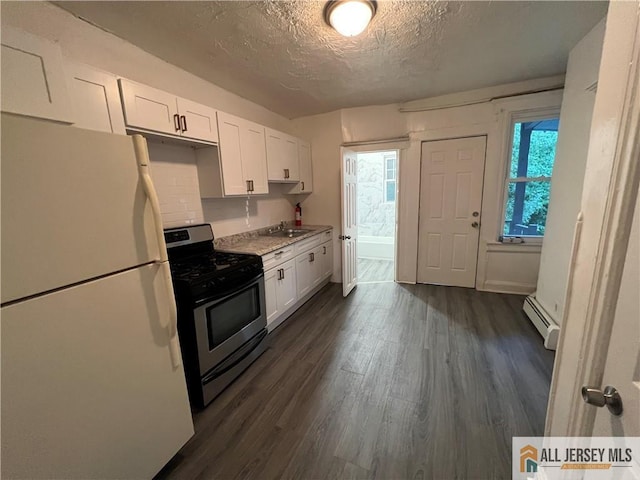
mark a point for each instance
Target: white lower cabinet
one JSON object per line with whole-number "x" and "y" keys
{"x": 280, "y": 290}
{"x": 289, "y": 279}
{"x": 305, "y": 269}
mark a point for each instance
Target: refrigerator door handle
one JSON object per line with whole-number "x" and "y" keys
{"x": 142, "y": 154}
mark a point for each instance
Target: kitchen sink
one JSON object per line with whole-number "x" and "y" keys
{"x": 288, "y": 233}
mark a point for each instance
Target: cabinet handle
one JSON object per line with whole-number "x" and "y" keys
{"x": 176, "y": 122}
{"x": 279, "y": 253}
{"x": 311, "y": 257}
{"x": 302, "y": 186}
{"x": 184, "y": 123}
{"x": 286, "y": 173}
{"x": 324, "y": 250}
{"x": 248, "y": 185}
{"x": 252, "y": 189}
{"x": 282, "y": 269}
{"x": 280, "y": 274}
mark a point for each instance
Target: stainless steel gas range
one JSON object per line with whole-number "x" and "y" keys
{"x": 221, "y": 310}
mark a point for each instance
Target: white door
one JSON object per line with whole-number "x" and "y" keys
{"x": 450, "y": 202}
{"x": 95, "y": 98}
{"x": 254, "y": 157}
{"x": 149, "y": 109}
{"x": 197, "y": 121}
{"x": 33, "y": 78}
{"x": 349, "y": 222}
{"x": 622, "y": 366}
{"x": 598, "y": 345}
{"x": 85, "y": 181}
{"x": 229, "y": 129}
{"x": 88, "y": 387}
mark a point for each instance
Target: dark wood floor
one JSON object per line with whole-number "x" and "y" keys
{"x": 374, "y": 270}
{"x": 393, "y": 382}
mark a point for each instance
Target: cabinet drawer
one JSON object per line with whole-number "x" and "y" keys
{"x": 274, "y": 259}
{"x": 308, "y": 244}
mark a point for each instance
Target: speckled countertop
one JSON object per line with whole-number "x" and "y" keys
{"x": 255, "y": 243}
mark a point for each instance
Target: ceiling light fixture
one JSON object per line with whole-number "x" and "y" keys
{"x": 349, "y": 17}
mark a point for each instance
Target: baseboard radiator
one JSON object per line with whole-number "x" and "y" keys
{"x": 547, "y": 327}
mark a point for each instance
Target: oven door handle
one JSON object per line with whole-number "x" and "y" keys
{"x": 235, "y": 358}
{"x": 210, "y": 301}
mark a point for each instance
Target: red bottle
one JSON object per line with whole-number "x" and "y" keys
{"x": 298, "y": 215}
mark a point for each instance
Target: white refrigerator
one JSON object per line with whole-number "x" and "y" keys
{"x": 92, "y": 383}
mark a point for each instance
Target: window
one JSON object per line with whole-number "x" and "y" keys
{"x": 390, "y": 179}
{"x": 533, "y": 150}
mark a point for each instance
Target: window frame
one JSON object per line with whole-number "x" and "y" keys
{"x": 513, "y": 117}
{"x": 387, "y": 180}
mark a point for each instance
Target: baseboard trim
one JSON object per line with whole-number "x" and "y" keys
{"x": 543, "y": 322}
{"x": 497, "y": 286}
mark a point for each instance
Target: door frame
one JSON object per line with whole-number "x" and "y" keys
{"x": 601, "y": 238}
{"x": 400, "y": 146}
{"x": 484, "y": 169}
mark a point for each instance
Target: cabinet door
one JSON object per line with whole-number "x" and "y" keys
{"x": 33, "y": 78}
{"x": 317, "y": 266}
{"x": 254, "y": 156}
{"x": 275, "y": 154}
{"x": 306, "y": 171}
{"x": 291, "y": 158}
{"x": 287, "y": 286}
{"x": 271, "y": 294}
{"x": 95, "y": 99}
{"x": 149, "y": 109}
{"x": 304, "y": 274}
{"x": 282, "y": 157}
{"x": 197, "y": 121}
{"x": 327, "y": 259}
{"x": 230, "y": 137}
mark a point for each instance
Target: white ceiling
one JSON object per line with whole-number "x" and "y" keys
{"x": 283, "y": 56}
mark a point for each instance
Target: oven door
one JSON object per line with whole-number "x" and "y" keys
{"x": 225, "y": 324}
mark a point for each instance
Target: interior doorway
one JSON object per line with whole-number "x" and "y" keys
{"x": 377, "y": 191}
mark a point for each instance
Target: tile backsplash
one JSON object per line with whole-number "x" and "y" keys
{"x": 175, "y": 176}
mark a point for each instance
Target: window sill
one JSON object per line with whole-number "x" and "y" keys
{"x": 496, "y": 246}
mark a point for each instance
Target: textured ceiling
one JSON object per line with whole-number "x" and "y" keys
{"x": 283, "y": 56}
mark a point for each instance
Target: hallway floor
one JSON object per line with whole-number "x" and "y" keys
{"x": 392, "y": 382}
{"x": 375, "y": 270}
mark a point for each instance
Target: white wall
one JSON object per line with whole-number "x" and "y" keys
{"x": 504, "y": 268}
{"x": 322, "y": 207}
{"x": 568, "y": 171}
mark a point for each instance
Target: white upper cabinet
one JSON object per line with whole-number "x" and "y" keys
{"x": 197, "y": 121}
{"x": 306, "y": 171}
{"x": 95, "y": 98}
{"x": 33, "y": 77}
{"x": 239, "y": 165}
{"x": 147, "y": 108}
{"x": 254, "y": 156}
{"x": 282, "y": 157}
{"x": 153, "y": 110}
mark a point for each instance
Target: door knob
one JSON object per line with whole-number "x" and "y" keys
{"x": 610, "y": 397}
{"x": 344, "y": 237}
{"x": 475, "y": 224}
{"x": 476, "y": 214}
